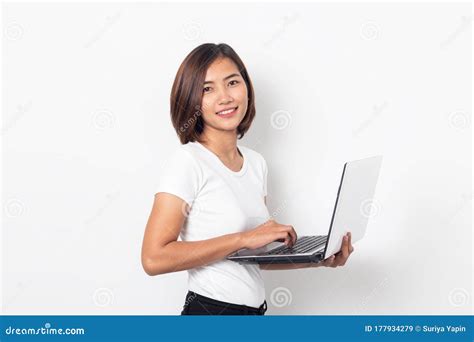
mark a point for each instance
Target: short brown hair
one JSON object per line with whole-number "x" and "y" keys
{"x": 186, "y": 94}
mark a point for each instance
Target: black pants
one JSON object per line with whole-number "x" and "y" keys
{"x": 196, "y": 304}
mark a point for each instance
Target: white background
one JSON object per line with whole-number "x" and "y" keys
{"x": 86, "y": 131}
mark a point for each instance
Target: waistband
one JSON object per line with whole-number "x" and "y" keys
{"x": 260, "y": 310}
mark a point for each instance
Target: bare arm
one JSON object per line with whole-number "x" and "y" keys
{"x": 162, "y": 253}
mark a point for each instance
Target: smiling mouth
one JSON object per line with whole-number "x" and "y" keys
{"x": 227, "y": 111}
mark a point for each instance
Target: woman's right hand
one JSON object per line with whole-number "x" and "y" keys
{"x": 268, "y": 232}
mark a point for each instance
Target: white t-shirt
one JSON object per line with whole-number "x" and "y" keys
{"x": 222, "y": 202}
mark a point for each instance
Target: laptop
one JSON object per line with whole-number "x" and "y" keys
{"x": 352, "y": 210}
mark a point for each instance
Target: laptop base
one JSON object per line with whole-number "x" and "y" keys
{"x": 296, "y": 259}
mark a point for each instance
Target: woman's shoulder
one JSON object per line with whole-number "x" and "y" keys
{"x": 182, "y": 156}
{"x": 252, "y": 154}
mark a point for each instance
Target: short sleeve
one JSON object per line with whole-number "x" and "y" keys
{"x": 180, "y": 176}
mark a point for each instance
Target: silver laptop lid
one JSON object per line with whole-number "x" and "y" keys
{"x": 354, "y": 202}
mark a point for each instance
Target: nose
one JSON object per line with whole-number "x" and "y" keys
{"x": 224, "y": 96}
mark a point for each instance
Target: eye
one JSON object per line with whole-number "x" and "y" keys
{"x": 206, "y": 89}
{"x": 234, "y": 81}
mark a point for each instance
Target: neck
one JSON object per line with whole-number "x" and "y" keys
{"x": 222, "y": 143}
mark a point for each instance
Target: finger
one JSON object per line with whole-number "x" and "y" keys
{"x": 339, "y": 259}
{"x": 328, "y": 262}
{"x": 287, "y": 231}
{"x": 343, "y": 261}
{"x": 334, "y": 261}
{"x": 345, "y": 247}
{"x": 292, "y": 233}
{"x": 285, "y": 237}
{"x": 351, "y": 248}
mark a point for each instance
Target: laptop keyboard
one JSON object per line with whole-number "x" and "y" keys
{"x": 303, "y": 244}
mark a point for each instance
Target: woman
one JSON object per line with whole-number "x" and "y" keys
{"x": 213, "y": 192}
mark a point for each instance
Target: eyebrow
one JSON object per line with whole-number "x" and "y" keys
{"x": 225, "y": 78}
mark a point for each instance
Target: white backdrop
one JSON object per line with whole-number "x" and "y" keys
{"x": 86, "y": 131}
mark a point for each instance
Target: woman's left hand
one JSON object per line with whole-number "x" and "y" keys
{"x": 340, "y": 258}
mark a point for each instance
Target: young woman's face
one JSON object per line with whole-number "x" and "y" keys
{"x": 223, "y": 89}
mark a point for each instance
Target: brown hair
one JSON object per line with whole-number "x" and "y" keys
{"x": 186, "y": 94}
